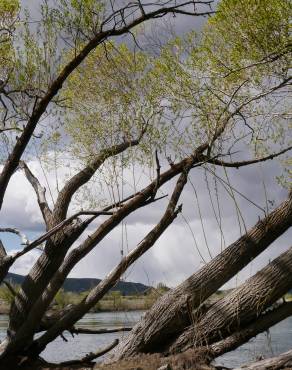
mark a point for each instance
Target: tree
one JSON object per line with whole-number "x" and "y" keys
{"x": 113, "y": 104}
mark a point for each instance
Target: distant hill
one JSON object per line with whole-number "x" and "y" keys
{"x": 78, "y": 285}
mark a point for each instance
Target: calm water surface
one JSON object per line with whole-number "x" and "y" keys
{"x": 278, "y": 340}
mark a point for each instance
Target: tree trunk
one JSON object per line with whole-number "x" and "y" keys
{"x": 283, "y": 361}
{"x": 170, "y": 315}
{"x": 242, "y": 306}
{"x": 263, "y": 323}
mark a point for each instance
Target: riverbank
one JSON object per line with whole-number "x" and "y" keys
{"x": 188, "y": 360}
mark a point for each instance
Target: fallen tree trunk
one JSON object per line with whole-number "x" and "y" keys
{"x": 283, "y": 361}
{"x": 240, "y": 307}
{"x": 263, "y": 323}
{"x": 170, "y": 315}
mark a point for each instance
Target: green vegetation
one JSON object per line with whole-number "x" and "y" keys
{"x": 113, "y": 301}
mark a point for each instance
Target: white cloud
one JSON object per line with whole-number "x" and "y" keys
{"x": 24, "y": 263}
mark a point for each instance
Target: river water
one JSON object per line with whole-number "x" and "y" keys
{"x": 279, "y": 339}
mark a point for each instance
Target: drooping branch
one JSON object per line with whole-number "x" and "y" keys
{"x": 219, "y": 162}
{"x": 53, "y": 284}
{"x": 84, "y": 176}
{"x": 114, "y": 30}
{"x": 40, "y": 193}
{"x": 170, "y": 315}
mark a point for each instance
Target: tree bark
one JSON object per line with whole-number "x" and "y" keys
{"x": 263, "y": 323}
{"x": 170, "y": 315}
{"x": 240, "y": 307}
{"x": 41, "y": 273}
{"x": 283, "y": 361}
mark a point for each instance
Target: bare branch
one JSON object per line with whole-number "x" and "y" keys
{"x": 219, "y": 162}
{"x": 40, "y": 193}
{"x": 84, "y": 176}
{"x": 40, "y": 108}
{"x": 57, "y": 228}
{"x": 92, "y": 356}
{"x": 23, "y": 237}
{"x": 98, "y": 292}
{"x": 75, "y": 330}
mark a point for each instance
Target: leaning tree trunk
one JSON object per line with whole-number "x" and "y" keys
{"x": 283, "y": 361}
{"x": 240, "y": 307}
{"x": 170, "y": 315}
{"x": 260, "y": 325}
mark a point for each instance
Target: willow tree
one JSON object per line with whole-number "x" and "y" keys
{"x": 117, "y": 107}
{"x": 36, "y": 61}
{"x": 245, "y": 48}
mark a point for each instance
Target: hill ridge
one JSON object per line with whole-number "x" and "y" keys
{"x": 78, "y": 285}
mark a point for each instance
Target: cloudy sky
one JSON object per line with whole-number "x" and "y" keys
{"x": 188, "y": 243}
{"x": 191, "y": 241}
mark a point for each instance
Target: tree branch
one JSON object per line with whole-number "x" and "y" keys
{"x": 98, "y": 292}
{"x": 241, "y": 307}
{"x": 16, "y": 154}
{"x": 283, "y": 361}
{"x": 23, "y": 237}
{"x": 91, "y": 356}
{"x": 170, "y": 315}
{"x": 261, "y": 324}
{"x": 57, "y": 228}
{"x": 40, "y": 193}
{"x": 84, "y": 176}
{"x": 75, "y": 330}
{"x": 219, "y": 162}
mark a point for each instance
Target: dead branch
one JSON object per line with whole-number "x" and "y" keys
{"x": 40, "y": 193}
{"x": 91, "y": 356}
{"x": 23, "y": 237}
{"x": 78, "y": 330}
